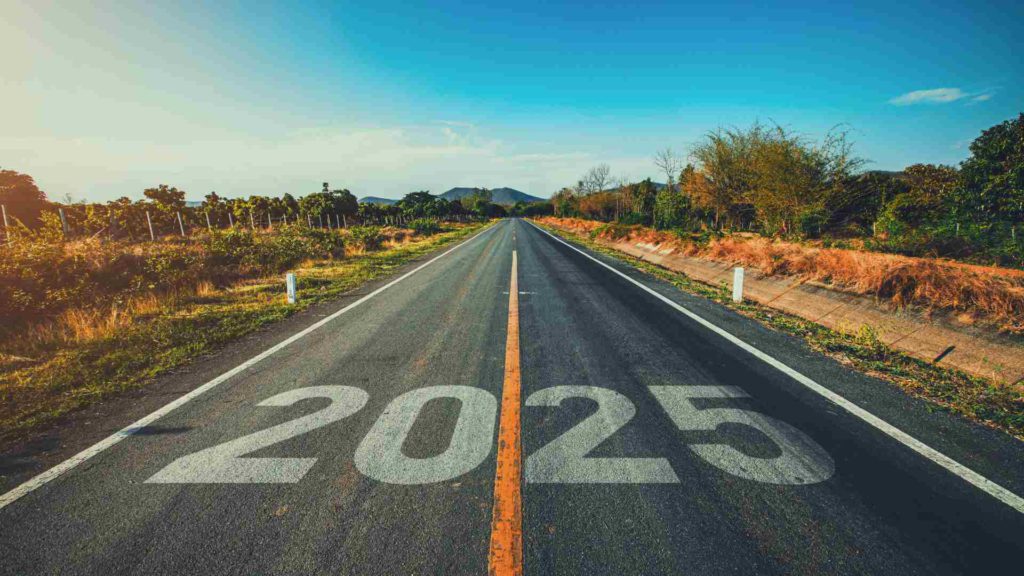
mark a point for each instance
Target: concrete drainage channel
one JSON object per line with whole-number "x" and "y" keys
{"x": 938, "y": 339}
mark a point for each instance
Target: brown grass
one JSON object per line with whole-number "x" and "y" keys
{"x": 979, "y": 292}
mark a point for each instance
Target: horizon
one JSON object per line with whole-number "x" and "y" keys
{"x": 105, "y": 102}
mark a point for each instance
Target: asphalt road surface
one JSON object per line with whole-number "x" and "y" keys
{"x": 519, "y": 405}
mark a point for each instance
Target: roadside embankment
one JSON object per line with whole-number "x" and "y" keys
{"x": 134, "y": 312}
{"x": 963, "y": 316}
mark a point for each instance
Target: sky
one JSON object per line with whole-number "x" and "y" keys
{"x": 105, "y": 99}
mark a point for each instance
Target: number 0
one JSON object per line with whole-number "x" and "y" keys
{"x": 380, "y": 457}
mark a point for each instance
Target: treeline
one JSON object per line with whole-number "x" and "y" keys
{"x": 29, "y": 212}
{"x": 768, "y": 180}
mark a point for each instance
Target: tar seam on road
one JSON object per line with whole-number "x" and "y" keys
{"x": 129, "y": 430}
{"x": 506, "y": 552}
{"x": 977, "y": 480}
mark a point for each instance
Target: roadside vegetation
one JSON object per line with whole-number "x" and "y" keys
{"x": 89, "y": 313}
{"x": 976, "y": 398}
{"x": 771, "y": 182}
{"x": 988, "y": 295}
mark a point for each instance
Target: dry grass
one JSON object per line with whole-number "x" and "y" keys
{"x": 84, "y": 353}
{"x": 985, "y": 293}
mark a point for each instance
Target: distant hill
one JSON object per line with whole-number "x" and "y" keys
{"x": 507, "y": 196}
{"x": 376, "y": 200}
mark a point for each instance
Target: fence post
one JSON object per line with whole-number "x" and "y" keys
{"x": 7, "y": 227}
{"x": 737, "y": 285}
{"x": 208, "y": 225}
{"x": 181, "y": 225}
{"x": 149, "y": 222}
{"x": 289, "y": 281}
{"x": 63, "y": 222}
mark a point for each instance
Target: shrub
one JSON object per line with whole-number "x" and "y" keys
{"x": 366, "y": 237}
{"x": 425, "y": 226}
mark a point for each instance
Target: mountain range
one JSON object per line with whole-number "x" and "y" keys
{"x": 376, "y": 200}
{"x": 506, "y": 196}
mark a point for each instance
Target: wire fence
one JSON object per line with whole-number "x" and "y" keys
{"x": 155, "y": 224}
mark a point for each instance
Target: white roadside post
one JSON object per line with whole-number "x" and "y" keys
{"x": 737, "y": 285}
{"x": 290, "y": 284}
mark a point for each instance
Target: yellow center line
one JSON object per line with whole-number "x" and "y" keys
{"x": 506, "y": 553}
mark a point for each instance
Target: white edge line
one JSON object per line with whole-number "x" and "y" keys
{"x": 995, "y": 490}
{"x": 70, "y": 463}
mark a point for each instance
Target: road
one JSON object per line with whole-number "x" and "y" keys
{"x": 518, "y": 405}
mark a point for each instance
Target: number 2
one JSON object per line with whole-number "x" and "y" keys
{"x": 223, "y": 464}
{"x": 564, "y": 459}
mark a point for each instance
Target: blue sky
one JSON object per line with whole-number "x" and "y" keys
{"x": 384, "y": 98}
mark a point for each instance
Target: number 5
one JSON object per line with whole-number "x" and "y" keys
{"x": 802, "y": 461}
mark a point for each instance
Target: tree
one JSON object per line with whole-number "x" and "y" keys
{"x": 167, "y": 198}
{"x": 671, "y": 208}
{"x": 926, "y": 202}
{"x": 21, "y": 197}
{"x": 723, "y": 159}
{"x": 344, "y": 202}
{"x": 478, "y": 202}
{"x": 599, "y": 205}
{"x": 993, "y": 176}
{"x": 669, "y": 163}
{"x": 289, "y": 206}
{"x": 419, "y": 204}
{"x": 641, "y": 197}
{"x": 595, "y": 180}
{"x": 564, "y": 202}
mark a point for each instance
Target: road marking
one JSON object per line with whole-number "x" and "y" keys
{"x": 506, "y": 553}
{"x": 224, "y": 463}
{"x": 564, "y": 460}
{"x": 379, "y": 455}
{"x": 977, "y": 480}
{"x": 129, "y": 430}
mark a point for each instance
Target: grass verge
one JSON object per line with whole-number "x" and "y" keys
{"x": 978, "y": 399}
{"x": 178, "y": 329}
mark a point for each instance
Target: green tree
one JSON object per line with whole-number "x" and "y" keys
{"x": 925, "y": 204}
{"x": 166, "y": 198}
{"x": 993, "y": 176}
{"x": 671, "y": 208}
{"x": 418, "y": 204}
{"x": 21, "y": 197}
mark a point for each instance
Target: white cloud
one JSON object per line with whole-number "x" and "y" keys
{"x": 938, "y": 96}
{"x": 933, "y": 96}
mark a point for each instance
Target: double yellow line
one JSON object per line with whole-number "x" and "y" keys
{"x": 506, "y": 552}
